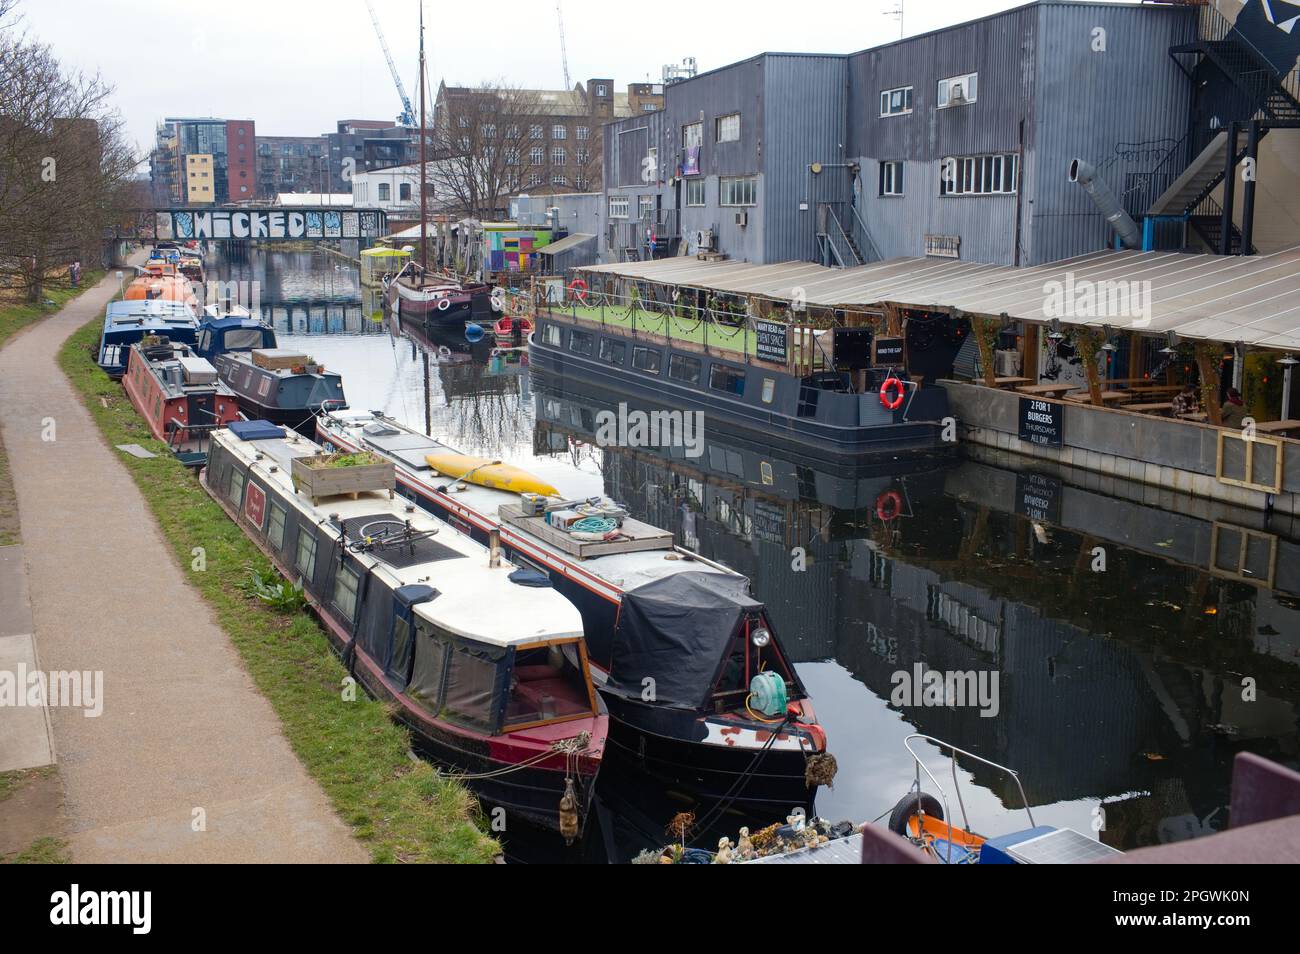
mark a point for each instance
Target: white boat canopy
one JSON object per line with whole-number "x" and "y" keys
{"x": 1252, "y": 299}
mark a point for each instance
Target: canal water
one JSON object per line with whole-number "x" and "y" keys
{"x": 1140, "y": 639}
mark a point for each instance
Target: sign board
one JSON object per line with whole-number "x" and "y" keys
{"x": 1041, "y": 422}
{"x": 770, "y": 340}
{"x": 943, "y": 246}
{"x": 888, "y": 351}
{"x": 255, "y": 505}
{"x": 1038, "y": 497}
{"x": 264, "y": 224}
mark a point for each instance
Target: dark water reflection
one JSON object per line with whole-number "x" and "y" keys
{"x": 1120, "y": 689}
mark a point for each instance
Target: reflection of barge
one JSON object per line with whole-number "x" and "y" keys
{"x": 868, "y": 411}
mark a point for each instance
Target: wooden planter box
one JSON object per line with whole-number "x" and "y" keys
{"x": 314, "y": 477}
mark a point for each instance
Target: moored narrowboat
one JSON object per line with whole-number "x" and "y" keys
{"x": 128, "y": 322}
{"x": 714, "y": 742}
{"x": 437, "y": 301}
{"x": 179, "y": 396}
{"x": 850, "y": 408}
{"x": 272, "y": 384}
{"x": 487, "y": 668}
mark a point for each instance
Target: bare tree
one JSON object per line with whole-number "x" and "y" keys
{"x": 64, "y": 163}
{"x": 486, "y": 144}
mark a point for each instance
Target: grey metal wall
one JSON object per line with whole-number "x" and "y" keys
{"x": 1121, "y": 110}
{"x": 1001, "y": 49}
{"x": 806, "y": 101}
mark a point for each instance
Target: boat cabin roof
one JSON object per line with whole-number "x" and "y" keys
{"x": 475, "y": 601}
{"x": 409, "y": 447}
{"x": 176, "y": 372}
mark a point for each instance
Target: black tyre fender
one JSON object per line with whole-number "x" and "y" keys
{"x": 912, "y": 804}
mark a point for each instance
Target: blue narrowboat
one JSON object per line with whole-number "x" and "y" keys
{"x": 129, "y": 322}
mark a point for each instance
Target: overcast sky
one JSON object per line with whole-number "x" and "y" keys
{"x": 297, "y": 66}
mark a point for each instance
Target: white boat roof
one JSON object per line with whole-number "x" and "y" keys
{"x": 476, "y": 601}
{"x": 624, "y": 570}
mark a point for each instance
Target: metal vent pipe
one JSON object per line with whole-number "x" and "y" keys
{"x": 1083, "y": 173}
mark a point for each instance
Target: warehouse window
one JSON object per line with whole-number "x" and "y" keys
{"x": 958, "y": 90}
{"x": 727, "y": 128}
{"x": 694, "y": 191}
{"x": 891, "y": 178}
{"x": 738, "y": 190}
{"x": 618, "y": 206}
{"x": 979, "y": 175}
{"x": 558, "y": 156}
{"x": 896, "y": 102}
{"x": 646, "y": 208}
{"x": 692, "y": 135}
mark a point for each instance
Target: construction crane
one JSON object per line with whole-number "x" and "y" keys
{"x": 407, "y": 118}
{"x": 564, "y": 55}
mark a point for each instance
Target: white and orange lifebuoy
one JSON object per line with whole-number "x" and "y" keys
{"x": 892, "y": 384}
{"x": 578, "y": 288}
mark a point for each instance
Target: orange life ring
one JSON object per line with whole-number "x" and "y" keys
{"x": 579, "y": 289}
{"x": 889, "y": 497}
{"x": 892, "y": 383}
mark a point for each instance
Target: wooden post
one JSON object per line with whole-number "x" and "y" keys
{"x": 986, "y": 336}
{"x": 1089, "y": 342}
{"x": 1209, "y": 360}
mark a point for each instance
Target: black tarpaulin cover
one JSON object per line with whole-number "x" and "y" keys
{"x": 676, "y": 631}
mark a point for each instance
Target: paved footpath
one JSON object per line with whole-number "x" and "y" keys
{"x": 183, "y": 727}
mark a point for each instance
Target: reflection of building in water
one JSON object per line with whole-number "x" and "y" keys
{"x": 321, "y": 318}
{"x": 1123, "y": 683}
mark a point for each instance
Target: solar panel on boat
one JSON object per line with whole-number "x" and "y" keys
{"x": 396, "y": 555}
{"x": 840, "y": 851}
{"x": 408, "y": 448}
{"x": 1065, "y": 846}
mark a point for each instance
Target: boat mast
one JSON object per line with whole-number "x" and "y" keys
{"x": 424, "y": 260}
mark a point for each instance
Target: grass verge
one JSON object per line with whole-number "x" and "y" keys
{"x": 44, "y": 851}
{"x": 399, "y": 807}
{"x": 13, "y": 319}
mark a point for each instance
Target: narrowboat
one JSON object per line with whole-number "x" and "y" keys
{"x": 161, "y": 281}
{"x": 186, "y": 261}
{"x": 273, "y": 384}
{"x": 128, "y": 322}
{"x": 841, "y": 410}
{"x": 179, "y": 396}
{"x": 475, "y": 655}
{"x": 438, "y": 302}
{"x": 697, "y": 723}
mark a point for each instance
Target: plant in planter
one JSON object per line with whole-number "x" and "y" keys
{"x": 325, "y": 475}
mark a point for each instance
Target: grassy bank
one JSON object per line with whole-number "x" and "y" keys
{"x": 399, "y": 807}
{"x": 13, "y": 319}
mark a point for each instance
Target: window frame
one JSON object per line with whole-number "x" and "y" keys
{"x": 692, "y": 184}
{"x": 305, "y": 535}
{"x": 973, "y": 173}
{"x": 699, "y": 140}
{"x": 718, "y": 128}
{"x": 638, "y": 350}
{"x": 273, "y": 537}
{"x": 350, "y": 572}
{"x": 943, "y": 90}
{"x": 677, "y": 361}
{"x": 886, "y": 107}
{"x": 623, "y": 202}
{"x": 613, "y": 351}
{"x": 891, "y": 178}
{"x": 732, "y": 375}
{"x": 731, "y": 182}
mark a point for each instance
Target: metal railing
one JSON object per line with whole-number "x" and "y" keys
{"x": 835, "y": 240}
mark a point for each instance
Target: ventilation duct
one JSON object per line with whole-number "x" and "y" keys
{"x": 1085, "y": 174}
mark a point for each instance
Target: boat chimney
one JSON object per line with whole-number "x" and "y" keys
{"x": 494, "y": 547}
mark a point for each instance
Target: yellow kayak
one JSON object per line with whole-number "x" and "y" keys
{"x": 489, "y": 473}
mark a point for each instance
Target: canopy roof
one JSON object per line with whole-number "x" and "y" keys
{"x": 572, "y": 240}
{"x": 1254, "y": 299}
{"x": 677, "y": 631}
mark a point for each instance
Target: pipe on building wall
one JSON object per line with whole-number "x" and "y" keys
{"x": 1083, "y": 173}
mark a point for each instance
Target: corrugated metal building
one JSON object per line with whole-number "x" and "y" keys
{"x": 1045, "y": 83}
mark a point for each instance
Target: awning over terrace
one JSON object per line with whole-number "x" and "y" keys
{"x": 1253, "y": 299}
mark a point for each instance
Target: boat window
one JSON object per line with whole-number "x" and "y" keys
{"x": 306, "y": 558}
{"x": 240, "y": 339}
{"x": 723, "y": 378}
{"x": 428, "y": 674}
{"x": 275, "y": 528}
{"x": 581, "y": 342}
{"x": 205, "y": 340}
{"x": 645, "y": 359}
{"x": 346, "y": 583}
{"x": 551, "y": 335}
{"x": 615, "y": 352}
{"x": 400, "y": 663}
{"x": 685, "y": 369}
{"x": 235, "y": 490}
{"x": 471, "y": 688}
{"x": 547, "y": 684}
{"x": 769, "y": 390}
